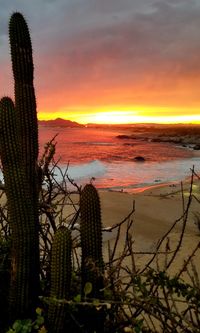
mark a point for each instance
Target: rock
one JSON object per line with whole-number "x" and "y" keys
{"x": 122, "y": 136}
{"x": 196, "y": 147}
{"x": 156, "y": 140}
{"x": 139, "y": 159}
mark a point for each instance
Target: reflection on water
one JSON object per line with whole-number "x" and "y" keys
{"x": 100, "y": 154}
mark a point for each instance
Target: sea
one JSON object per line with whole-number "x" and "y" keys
{"x": 100, "y": 156}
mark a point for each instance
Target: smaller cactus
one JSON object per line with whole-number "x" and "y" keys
{"x": 61, "y": 272}
{"x": 91, "y": 240}
{"x": 92, "y": 265}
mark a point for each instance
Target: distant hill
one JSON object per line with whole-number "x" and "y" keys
{"x": 59, "y": 122}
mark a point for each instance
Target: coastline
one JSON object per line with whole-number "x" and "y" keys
{"x": 133, "y": 177}
{"x": 157, "y": 183}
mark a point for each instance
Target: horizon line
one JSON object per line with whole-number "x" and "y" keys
{"x": 124, "y": 124}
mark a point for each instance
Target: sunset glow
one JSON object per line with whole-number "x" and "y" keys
{"x": 107, "y": 62}
{"x": 122, "y": 117}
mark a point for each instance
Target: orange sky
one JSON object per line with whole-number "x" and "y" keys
{"x": 114, "y": 61}
{"x": 125, "y": 116}
{"x": 168, "y": 100}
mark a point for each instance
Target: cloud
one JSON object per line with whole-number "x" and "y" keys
{"x": 89, "y": 51}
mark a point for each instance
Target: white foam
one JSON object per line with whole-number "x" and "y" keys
{"x": 91, "y": 169}
{"x": 129, "y": 175}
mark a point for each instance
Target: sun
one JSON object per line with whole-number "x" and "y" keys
{"x": 114, "y": 117}
{"x": 133, "y": 117}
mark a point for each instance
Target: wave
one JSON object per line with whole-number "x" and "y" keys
{"x": 130, "y": 176}
{"x": 90, "y": 169}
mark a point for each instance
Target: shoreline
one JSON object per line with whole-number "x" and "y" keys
{"x": 126, "y": 176}
{"x": 154, "y": 185}
{"x": 173, "y": 185}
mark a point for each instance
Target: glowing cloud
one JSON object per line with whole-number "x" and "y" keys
{"x": 97, "y": 61}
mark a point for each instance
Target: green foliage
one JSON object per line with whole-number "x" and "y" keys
{"x": 87, "y": 289}
{"x": 28, "y": 325}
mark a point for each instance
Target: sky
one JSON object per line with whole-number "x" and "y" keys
{"x": 114, "y": 61}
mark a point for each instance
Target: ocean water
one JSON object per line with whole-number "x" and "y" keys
{"x": 98, "y": 154}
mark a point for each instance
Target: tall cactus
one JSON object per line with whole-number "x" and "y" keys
{"x": 25, "y": 101}
{"x": 61, "y": 274}
{"x": 91, "y": 239}
{"x": 19, "y": 151}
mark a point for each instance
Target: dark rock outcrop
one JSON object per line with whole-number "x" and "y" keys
{"x": 139, "y": 159}
{"x": 123, "y": 136}
{"x": 196, "y": 147}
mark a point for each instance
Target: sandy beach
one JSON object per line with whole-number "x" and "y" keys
{"x": 156, "y": 209}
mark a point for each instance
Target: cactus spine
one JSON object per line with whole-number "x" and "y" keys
{"x": 19, "y": 151}
{"x": 91, "y": 240}
{"x": 61, "y": 273}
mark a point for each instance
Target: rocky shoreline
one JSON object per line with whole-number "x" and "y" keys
{"x": 185, "y": 136}
{"x": 192, "y": 142}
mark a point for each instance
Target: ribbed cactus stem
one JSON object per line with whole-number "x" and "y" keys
{"x": 61, "y": 274}
{"x": 25, "y": 243}
{"x": 25, "y": 101}
{"x": 91, "y": 240}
